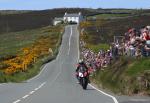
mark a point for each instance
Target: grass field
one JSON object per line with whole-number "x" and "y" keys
{"x": 13, "y": 43}
{"x": 118, "y": 13}
{"x": 108, "y": 16}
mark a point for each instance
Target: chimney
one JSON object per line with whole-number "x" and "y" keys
{"x": 65, "y": 13}
{"x": 79, "y": 13}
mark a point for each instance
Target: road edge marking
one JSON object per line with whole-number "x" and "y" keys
{"x": 141, "y": 100}
{"x": 43, "y": 68}
{"x": 1, "y": 84}
{"x": 114, "y": 98}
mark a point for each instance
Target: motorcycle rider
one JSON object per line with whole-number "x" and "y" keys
{"x": 81, "y": 65}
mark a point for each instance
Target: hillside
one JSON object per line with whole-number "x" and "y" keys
{"x": 15, "y": 21}
{"x": 100, "y": 30}
{"x": 7, "y": 12}
{"x": 124, "y": 75}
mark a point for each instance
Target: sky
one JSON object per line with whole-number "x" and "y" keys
{"x": 49, "y": 4}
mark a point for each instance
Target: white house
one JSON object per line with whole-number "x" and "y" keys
{"x": 76, "y": 17}
{"x": 57, "y": 21}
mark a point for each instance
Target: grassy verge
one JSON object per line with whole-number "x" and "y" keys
{"x": 98, "y": 47}
{"x": 125, "y": 76}
{"x": 54, "y": 36}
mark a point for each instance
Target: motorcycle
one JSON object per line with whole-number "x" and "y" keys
{"x": 83, "y": 79}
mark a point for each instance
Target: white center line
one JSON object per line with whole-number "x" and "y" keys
{"x": 42, "y": 84}
{"x": 32, "y": 92}
{"x": 36, "y": 89}
{"x": 78, "y": 43}
{"x": 25, "y": 96}
{"x": 60, "y": 70}
{"x": 70, "y": 41}
{"x": 17, "y": 101}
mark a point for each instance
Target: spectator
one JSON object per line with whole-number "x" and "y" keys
{"x": 136, "y": 44}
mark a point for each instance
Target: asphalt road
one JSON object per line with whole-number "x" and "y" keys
{"x": 56, "y": 82}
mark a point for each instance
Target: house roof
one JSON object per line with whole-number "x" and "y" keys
{"x": 71, "y": 15}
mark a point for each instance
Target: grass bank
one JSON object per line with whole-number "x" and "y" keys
{"x": 125, "y": 76}
{"x": 98, "y": 47}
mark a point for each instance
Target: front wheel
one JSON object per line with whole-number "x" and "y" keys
{"x": 84, "y": 83}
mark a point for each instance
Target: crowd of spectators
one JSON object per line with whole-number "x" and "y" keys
{"x": 136, "y": 43}
{"x": 95, "y": 60}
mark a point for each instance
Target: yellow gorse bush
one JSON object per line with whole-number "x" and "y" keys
{"x": 29, "y": 55}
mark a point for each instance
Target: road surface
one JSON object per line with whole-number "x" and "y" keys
{"x": 56, "y": 82}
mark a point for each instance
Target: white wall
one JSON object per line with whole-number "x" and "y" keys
{"x": 56, "y": 22}
{"x": 74, "y": 19}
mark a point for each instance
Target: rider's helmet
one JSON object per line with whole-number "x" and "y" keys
{"x": 81, "y": 61}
